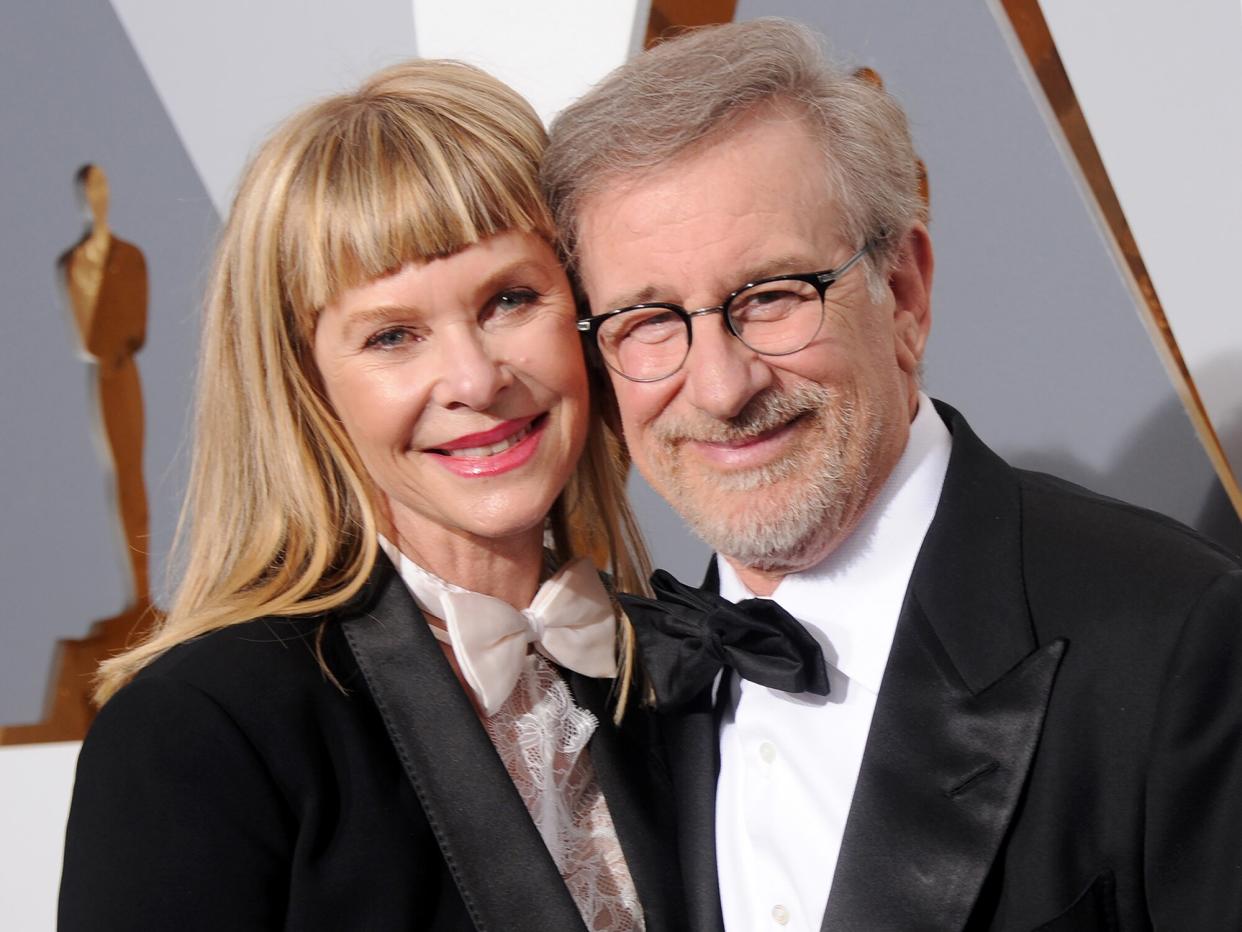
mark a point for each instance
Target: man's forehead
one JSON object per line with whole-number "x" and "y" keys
{"x": 697, "y": 225}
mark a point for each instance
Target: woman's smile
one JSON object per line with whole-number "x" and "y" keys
{"x": 481, "y": 455}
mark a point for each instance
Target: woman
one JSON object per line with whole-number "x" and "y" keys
{"x": 392, "y": 411}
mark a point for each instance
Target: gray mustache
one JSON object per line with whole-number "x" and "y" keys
{"x": 768, "y": 410}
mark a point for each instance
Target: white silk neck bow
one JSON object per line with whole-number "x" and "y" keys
{"x": 570, "y": 621}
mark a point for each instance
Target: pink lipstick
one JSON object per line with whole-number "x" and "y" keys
{"x": 491, "y": 452}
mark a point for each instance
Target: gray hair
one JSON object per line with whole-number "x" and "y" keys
{"x": 669, "y": 99}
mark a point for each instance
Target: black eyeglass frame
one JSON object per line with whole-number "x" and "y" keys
{"x": 820, "y": 281}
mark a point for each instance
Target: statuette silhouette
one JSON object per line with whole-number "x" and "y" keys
{"x": 105, "y": 284}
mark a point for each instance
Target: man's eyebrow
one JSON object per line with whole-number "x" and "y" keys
{"x": 785, "y": 264}
{"x": 643, "y": 295}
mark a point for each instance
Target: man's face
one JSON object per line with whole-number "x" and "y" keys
{"x": 771, "y": 459}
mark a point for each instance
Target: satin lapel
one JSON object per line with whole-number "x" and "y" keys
{"x": 499, "y": 863}
{"x": 942, "y": 773}
{"x": 691, "y": 740}
{"x": 958, "y": 718}
{"x": 688, "y": 745}
{"x": 692, "y": 747}
{"x": 634, "y": 777}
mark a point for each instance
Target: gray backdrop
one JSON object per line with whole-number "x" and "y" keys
{"x": 75, "y": 92}
{"x": 1035, "y": 338}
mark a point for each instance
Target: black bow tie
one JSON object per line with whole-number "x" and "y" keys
{"x": 686, "y": 635}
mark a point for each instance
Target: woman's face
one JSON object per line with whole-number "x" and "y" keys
{"x": 461, "y": 383}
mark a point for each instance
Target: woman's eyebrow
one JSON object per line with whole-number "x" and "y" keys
{"x": 506, "y": 275}
{"x": 367, "y": 317}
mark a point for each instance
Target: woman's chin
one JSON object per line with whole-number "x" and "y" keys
{"x": 502, "y": 520}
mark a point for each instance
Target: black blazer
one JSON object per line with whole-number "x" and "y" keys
{"x": 231, "y": 786}
{"x": 1057, "y": 743}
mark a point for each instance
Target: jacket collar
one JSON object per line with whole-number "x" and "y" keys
{"x": 633, "y": 774}
{"x": 470, "y": 802}
{"x": 968, "y": 577}
{"x": 959, "y": 715}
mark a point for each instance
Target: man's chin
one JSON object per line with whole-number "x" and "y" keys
{"x": 763, "y": 531}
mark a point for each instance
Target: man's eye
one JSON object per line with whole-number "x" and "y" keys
{"x": 655, "y": 328}
{"x": 768, "y": 304}
{"x": 391, "y": 338}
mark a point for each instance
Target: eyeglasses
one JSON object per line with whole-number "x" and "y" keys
{"x": 773, "y": 316}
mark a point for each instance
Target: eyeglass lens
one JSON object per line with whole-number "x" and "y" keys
{"x": 774, "y": 318}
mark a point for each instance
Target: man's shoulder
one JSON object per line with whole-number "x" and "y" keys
{"x": 1095, "y": 564}
{"x": 1087, "y": 566}
{"x": 1060, "y": 515}
{"x": 1066, "y": 524}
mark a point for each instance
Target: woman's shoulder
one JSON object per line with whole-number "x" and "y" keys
{"x": 257, "y": 687}
{"x": 260, "y": 643}
{"x": 272, "y": 661}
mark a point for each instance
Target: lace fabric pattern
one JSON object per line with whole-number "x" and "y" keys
{"x": 541, "y": 736}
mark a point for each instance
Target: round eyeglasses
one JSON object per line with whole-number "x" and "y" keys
{"x": 773, "y": 316}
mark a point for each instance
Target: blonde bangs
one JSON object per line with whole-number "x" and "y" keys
{"x": 386, "y": 179}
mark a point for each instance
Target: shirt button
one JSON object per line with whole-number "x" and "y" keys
{"x": 780, "y": 914}
{"x": 767, "y": 751}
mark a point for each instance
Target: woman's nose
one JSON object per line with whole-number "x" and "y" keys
{"x": 471, "y": 372}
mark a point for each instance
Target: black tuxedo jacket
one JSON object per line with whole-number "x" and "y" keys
{"x": 232, "y": 787}
{"x": 1057, "y": 742}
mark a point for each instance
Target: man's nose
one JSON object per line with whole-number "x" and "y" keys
{"x": 470, "y": 370}
{"x": 722, "y": 372}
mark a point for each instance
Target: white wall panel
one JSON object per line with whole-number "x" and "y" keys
{"x": 1161, "y": 87}
{"x": 35, "y": 785}
{"x": 228, "y": 71}
{"x": 551, "y": 51}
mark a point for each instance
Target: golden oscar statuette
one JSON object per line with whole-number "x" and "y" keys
{"x": 104, "y": 279}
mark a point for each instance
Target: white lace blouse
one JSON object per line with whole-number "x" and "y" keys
{"x": 541, "y": 736}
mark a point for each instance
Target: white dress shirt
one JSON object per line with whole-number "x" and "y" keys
{"x": 789, "y": 763}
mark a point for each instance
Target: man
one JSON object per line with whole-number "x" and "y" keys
{"x": 1035, "y": 713}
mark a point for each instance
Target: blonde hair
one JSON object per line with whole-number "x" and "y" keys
{"x": 683, "y": 93}
{"x": 425, "y": 159}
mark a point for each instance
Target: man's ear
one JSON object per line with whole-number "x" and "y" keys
{"x": 910, "y": 280}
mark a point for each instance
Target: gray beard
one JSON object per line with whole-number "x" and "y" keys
{"x": 770, "y": 528}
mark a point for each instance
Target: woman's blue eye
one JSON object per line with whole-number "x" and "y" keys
{"x": 389, "y": 339}
{"x": 514, "y": 299}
